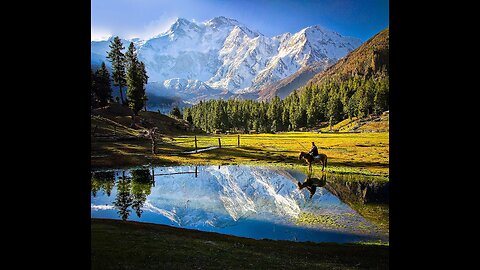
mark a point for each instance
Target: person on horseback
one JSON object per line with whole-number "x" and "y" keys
{"x": 314, "y": 150}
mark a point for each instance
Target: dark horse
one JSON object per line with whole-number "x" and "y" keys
{"x": 312, "y": 183}
{"x": 310, "y": 160}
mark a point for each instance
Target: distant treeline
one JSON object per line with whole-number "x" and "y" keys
{"x": 330, "y": 101}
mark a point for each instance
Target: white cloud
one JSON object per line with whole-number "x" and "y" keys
{"x": 149, "y": 30}
{"x": 156, "y": 27}
{"x": 99, "y": 34}
{"x": 101, "y": 207}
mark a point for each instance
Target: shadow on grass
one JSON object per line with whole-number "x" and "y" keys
{"x": 359, "y": 164}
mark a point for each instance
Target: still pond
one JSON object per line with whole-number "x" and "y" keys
{"x": 248, "y": 201}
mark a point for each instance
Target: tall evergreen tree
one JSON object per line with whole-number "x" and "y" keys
{"x": 103, "y": 88}
{"x": 334, "y": 107}
{"x": 381, "y": 99}
{"x": 274, "y": 114}
{"x": 117, "y": 58}
{"x": 130, "y": 55}
{"x": 135, "y": 80}
{"x": 93, "y": 96}
{"x": 145, "y": 81}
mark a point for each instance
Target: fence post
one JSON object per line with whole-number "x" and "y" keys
{"x": 219, "y": 143}
{"x": 238, "y": 140}
{"x": 153, "y": 177}
{"x": 195, "y": 143}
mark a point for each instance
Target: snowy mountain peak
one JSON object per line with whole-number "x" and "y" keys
{"x": 221, "y": 21}
{"x": 182, "y": 22}
{"x": 223, "y": 55}
{"x": 182, "y": 27}
{"x": 317, "y": 27}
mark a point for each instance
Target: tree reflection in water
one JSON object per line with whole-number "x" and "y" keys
{"x": 123, "y": 200}
{"x": 131, "y": 191}
{"x": 102, "y": 181}
{"x": 142, "y": 183}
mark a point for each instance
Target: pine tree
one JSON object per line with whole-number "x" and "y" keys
{"x": 274, "y": 114}
{"x": 381, "y": 99}
{"x": 117, "y": 58}
{"x": 145, "y": 81}
{"x": 135, "y": 80}
{"x": 352, "y": 106}
{"x": 334, "y": 107}
{"x": 93, "y": 96}
{"x": 103, "y": 88}
{"x": 130, "y": 55}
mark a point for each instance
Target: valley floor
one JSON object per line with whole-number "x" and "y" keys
{"x": 151, "y": 246}
{"x": 131, "y": 245}
{"x": 355, "y": 153}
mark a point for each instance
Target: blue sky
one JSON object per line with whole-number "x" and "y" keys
{"x": 146, "y": 18}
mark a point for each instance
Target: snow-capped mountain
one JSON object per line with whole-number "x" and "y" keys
{"x": 223, "y": 56}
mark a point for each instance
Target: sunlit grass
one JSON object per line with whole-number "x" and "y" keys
{"x": 353, "y": 153}
{"x": 327, "y": 221}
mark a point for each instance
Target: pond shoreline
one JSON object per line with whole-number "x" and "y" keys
{"x": 362, "y": 154}
{"x": 296, "y": 166}
{"x": 153, "y": 246}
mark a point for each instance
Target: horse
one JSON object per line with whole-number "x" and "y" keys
{"x": 310, "y": 160}
{"x": 312, "y": 183}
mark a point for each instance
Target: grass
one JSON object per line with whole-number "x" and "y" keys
{"x": 151, "y": 246}
{"x": 380, "y": 123}
{"x": 131, "y": 245}
{"x": 377, "y": 214}
{"x": 353, "y": 153}
{"x": 327, "y": 221}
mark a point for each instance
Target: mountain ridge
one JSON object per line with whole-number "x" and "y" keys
{"x": 229, "y": 57}
{"x": 371, "y": 57}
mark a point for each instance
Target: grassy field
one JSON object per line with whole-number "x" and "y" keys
{"x": 355, "y": 153}
{"x": 151, "y": 246}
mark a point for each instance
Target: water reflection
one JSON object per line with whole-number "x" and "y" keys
{"x": 123, "y": 200}
{"x": 311, "y": 183}
{"x": 141, "y": 187}
{"x": 132, "y": 191}
{"x": 246, "y": 201}
{"x": 103, "y": 181}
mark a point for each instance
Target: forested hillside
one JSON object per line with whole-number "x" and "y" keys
{"x": 356, "y": 86}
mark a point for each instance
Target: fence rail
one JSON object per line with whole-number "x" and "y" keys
{"x": 197, "y": 144}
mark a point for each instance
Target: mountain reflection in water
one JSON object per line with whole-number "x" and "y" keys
{"x": 256, "y": 202}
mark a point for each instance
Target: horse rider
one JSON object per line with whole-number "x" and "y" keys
{"x": 314, "y": 150}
